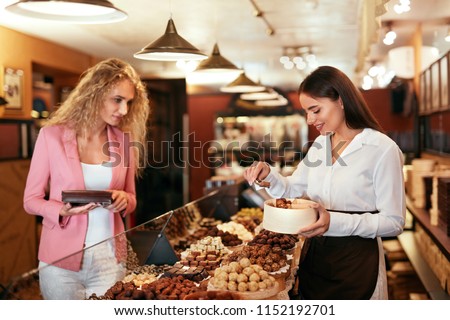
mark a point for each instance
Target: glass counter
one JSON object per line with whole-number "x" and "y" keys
{"x": 158, "y": 246}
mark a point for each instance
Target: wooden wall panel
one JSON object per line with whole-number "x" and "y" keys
{"x": 18, "y": 238}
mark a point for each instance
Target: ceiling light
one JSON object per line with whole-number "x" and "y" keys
{"x": 242, "y": 84}
{"x": 278, "y": 102}
{"x": 447, "y": 37}
{"x": 187, "y": 65}
{"x": 217, "y": 63}
{"x": 263, "y": 95}
{"x": 69, "y": 11}
{"x": 403, "y": 6}
{"x": 298, "y": 57}
{"x": 284, "y": 59}
{"x": 390, "y": 35}
{"x": 170, "y": 47}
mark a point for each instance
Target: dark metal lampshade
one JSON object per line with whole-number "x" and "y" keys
{"x": 69, "y": 11}
{"x": 170, "y": 47}
{"x": 242, "y": 84}
{"x": 217, "y": 63}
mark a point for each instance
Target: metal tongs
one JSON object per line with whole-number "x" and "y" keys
{"x": 261, "y": 183}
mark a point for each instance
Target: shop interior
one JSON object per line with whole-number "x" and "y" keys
{"x": 203, "y": 138}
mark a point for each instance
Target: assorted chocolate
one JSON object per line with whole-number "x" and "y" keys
{"x": 271, "y": 259}
{"x": 196, "y": 274}
{"x": 175, "y": 288}
{"x": 228, "y": 239}
{"x": 242, "y": 276}
{"x": 207, "y": 252}
{"x": 283, "y": 203}
{"x": 274, "y": 239}
{"x": 202, "y": 245}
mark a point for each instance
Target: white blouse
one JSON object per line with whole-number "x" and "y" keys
{"x": 97, "y": 177}
{"x": 368, "y": 176}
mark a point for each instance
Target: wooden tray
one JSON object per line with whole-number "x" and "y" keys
{"x": 257, "y": 295}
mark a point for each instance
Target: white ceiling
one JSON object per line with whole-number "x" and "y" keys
{"x": 329, "y": 27}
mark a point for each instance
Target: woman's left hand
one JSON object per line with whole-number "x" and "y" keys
{"x": 120, "y": 201}
{"x": 319, "y": 227}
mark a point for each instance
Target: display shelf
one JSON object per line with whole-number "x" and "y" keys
{"x": 437, "y": 234}
{"x": 428, "y": 248}
{"x": 423, "y": 270}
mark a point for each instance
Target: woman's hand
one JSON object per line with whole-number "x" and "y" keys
{"x": 257, "y": 171}
{"x": 319, "y": 227}
{"x": 68, "y": 210}
{"x": 120, "y": 201}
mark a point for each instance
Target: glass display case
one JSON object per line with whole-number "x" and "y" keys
{"x": 159, "y": 246}
{"x": 280, "y": 140}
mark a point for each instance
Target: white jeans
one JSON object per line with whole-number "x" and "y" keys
{"x": 99, "y": 271}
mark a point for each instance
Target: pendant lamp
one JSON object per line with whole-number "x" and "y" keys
{"x": 217, "y": 63}
{"x": 242, "y": 84}
{"x": 278, "y": 102}
{"x": 69, "y": 11}
{"x": 170, "y": 47}
{"x": 268, "y": 94}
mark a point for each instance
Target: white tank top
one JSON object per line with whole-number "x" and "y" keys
{"x": 97, "y": 177}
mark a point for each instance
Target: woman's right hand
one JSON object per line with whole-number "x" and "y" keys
{"x": 68, "y": 210}
{"x": 257, "y": 171}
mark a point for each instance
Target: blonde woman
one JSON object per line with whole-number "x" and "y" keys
{"x": 88, "y": 143}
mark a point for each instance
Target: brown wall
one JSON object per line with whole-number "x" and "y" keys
{"x": 20, "y": 51}
{"x": 18, "y": 236}
{"x": 379, "y": 101}
{"x": 202, "y": 110}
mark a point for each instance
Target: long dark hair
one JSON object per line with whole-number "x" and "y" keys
{"x": 329, "y": 82}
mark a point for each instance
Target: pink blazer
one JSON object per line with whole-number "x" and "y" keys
{"x": 55, "y": 166}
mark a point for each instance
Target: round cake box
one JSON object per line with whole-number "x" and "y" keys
{"x": 289, "y": 220}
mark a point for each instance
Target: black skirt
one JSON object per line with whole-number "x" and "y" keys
{"x": 339, "y": 268}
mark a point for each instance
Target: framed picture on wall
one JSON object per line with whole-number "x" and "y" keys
{"x": 435, "y": 86}
{"x": 13, "y": 87}
{"x": 444, "y": 81}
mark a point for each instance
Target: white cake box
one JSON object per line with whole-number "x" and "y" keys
{"x": 289, "y": 220}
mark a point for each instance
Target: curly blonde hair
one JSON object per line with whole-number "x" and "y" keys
{"x": 81, "y": 108}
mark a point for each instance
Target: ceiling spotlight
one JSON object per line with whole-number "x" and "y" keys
{"x": 257, "y": 12}
{"x": 390, "y": 35}
{"x": 402, "y": 7}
